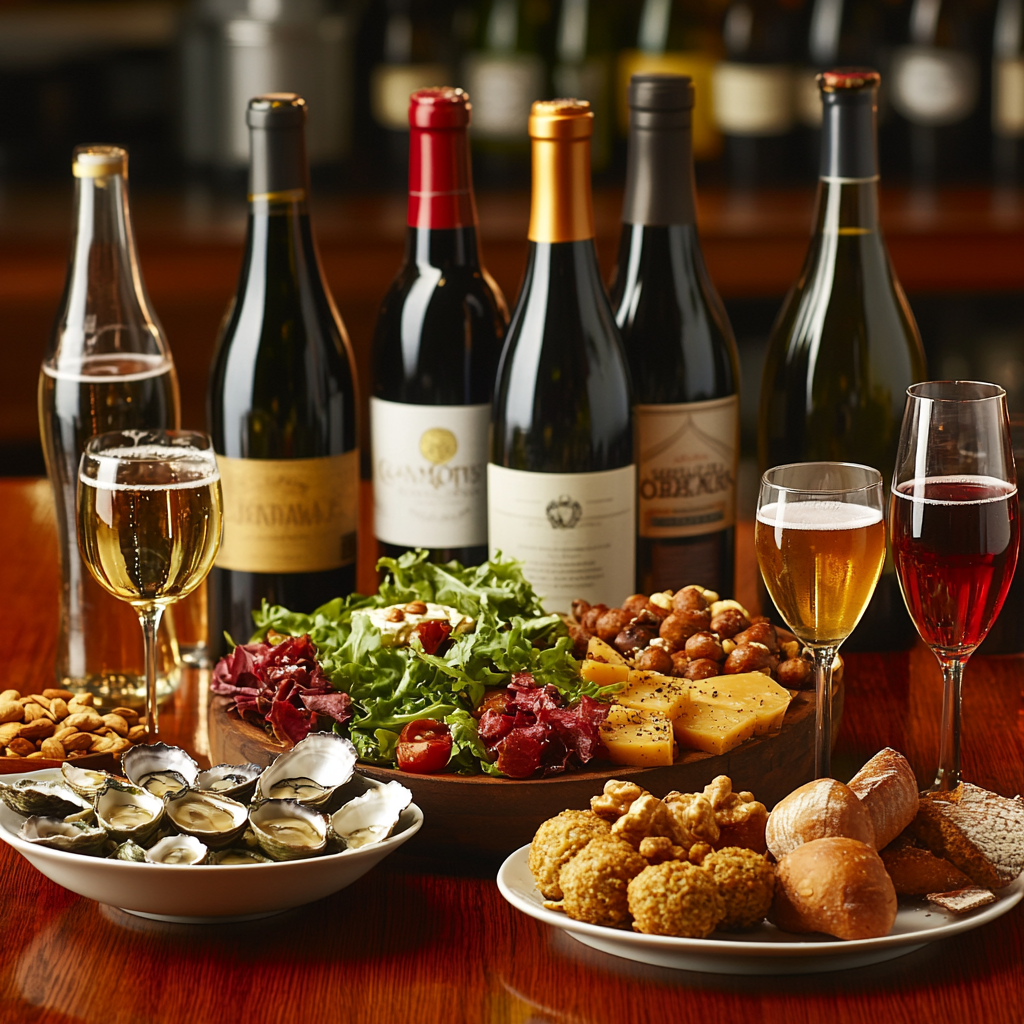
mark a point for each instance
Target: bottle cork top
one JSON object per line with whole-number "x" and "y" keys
{"x": 660, "y": 92}
{"x": 99, "y": 161}
{"x": 848, "y": 79}
{"x": 561, "y": 119}
{"x": 276, "y": 110}
{"x": 439, "y": 107}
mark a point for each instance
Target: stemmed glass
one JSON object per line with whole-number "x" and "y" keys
{"x": 149, "y": 523}
{"x": 820, "y": 541}
{"x": 953, "y": 522}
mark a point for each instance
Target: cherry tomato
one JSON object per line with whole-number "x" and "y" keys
{"x": 494, "y": 700}
{"x": 424, "y": 746}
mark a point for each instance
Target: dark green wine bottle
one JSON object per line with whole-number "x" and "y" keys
{"x": 845, "y": 347}
{"x": 282, "y": 401}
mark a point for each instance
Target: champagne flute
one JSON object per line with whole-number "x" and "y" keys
{"x": 954, "y": 528}
{"x": 820, "y": 540}
{"x": 149, "y": 523}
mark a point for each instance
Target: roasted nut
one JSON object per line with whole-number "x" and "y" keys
{"x": 116, "y": 723}
{"x": 11, "y": 711}
{"x": 87, "y": 721}
{"x": 720, "y": 606}
{"x": 728, "y": 623}
{"x": 662, "y": 600}
{"x": 634, "y": 603}
{"x": 8, "y": 695}
{"x": 579, "y": 609}
{"x": 702, "y": 668}
{"x": 689, "y": 599}
{"x": 59, "y": 709}
{"x": 759, "y": 633}
{"x": 34, "y": 756}
{"x": 591, "y": 615}
{"x": 118, "y": 744}
{"x": 51, "y": 693}
{"x": 728, "y": 646}
{"x": 81, "y": 698}
{"x": 30, "y": 712}
{"x": 37, "y": 730}
{"x": 416, "y": 608}
{"x": 580, "y": 639}
{"x": 8, "y": 731}
{"x": 395, "y": 615}
{"x": 63, "y": 730}
{"x": 52, "y": 749}
{"x": 654, "y": 659}
{"x": 747, "y": 658}
{"x": 790, "y": 650}
{"x": 26, "y": 700}
{"x": 680, "y": 626}
{"x": 611, "y": 623}
{"x": 704, "y": 645}
{"x": 635, "y": 637}
{"x": 137, "y": 733}
{"x": 794, "y": 673}
{"x": 615, "y": 799}
{"x": 100, "y": 744}
{"x": 21, "y": 746}
{"x": 130, "y": 716}
{"x": 77, "y": 740}
{"x": 680, "y": 662}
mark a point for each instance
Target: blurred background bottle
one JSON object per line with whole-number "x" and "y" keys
{"x": 845, "y": 346}
{"x": 107, "y": 367}
{"x": 1008, "y": 95}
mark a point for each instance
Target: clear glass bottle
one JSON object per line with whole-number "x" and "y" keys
{"x": 107, "y": 367}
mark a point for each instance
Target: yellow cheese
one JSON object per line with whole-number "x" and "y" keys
{"x": 712, "y": 728}
{"x": 599, "y": 650}
{"x": 745, "y": 691}
{"x": 649, "y": 691}
{"x": 602, "y": 674}
{"x": 640, "y": 738}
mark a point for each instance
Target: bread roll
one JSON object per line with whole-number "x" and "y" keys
{"x": 887, "y": 787}
{"x": 837, "y": 886}
{"x": 917, "y": 872}
{"x": 818, "y": 810}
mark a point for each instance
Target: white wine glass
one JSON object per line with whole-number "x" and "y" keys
{"x": 149, "y": 523}
{"x": 820, "y": 541}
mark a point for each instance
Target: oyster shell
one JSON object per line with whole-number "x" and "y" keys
{"x": 237, "y": 781}
{"x": 234, "y": 855}
{"x": 86, "y": 782}
{"x": 177, "y": 850}
{"x": 371, "y": 816}
{"x": 44, "y": 799}
{"x": 160, "y": 769}
{"x": 288, "y": 830}
{"x": 129, "y": 850}
{"x": 128, "y": 812}
{"x": 215, "y": 820}
{"x": 310, "y": 772}
{"x": 70, "y": 836}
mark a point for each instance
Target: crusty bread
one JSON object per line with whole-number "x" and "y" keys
{"x": 887, "y": 787}
{"x": 917, "y": 872}
{"x": 834, "y": 885}
{"x": 817, "y": 810}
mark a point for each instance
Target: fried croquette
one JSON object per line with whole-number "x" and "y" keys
{"x": 594, "y": 882}
{"x": 675, "y": 898}
{"x": 558, "y": 840}
{"x": 746, "y": 882}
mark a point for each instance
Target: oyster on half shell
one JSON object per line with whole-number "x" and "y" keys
{"x": 86, "y": 782}
{"x": 69, "y": 836}
{"x": 235, "y": 856}
{"x": 288, "y": 830}
{"x": 310, "y": 772}
{"x": 45, "y": 799}
{"x": 130, "y": 851}
{"x": 128, "y": 812}
{"x": 213, "y": 819}
{"x": 177, "y": 850}
{"x": 371, "y": 816}
{"x": 159, "y": 769}
{"x": 237, "y": 781}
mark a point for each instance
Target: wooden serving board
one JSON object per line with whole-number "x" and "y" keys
{"x": 478, "y": 814}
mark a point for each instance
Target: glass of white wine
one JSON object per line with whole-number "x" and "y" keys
{"x": 820, "y": 541}
{"x": 149, "y": 523}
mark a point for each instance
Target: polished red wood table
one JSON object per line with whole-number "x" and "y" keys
{"x": 412, "y": 942}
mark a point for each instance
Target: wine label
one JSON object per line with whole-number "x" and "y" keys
{"x": 429, "y": 473}
{"x": 933, "y": 87}
{"x": 1008, "y": 98}
{"x": 807, "y": 97}
{"x": 754, "y": 99}
{"x": 688, "y": 457}
{"x": 502, "y": 90}
{"x": 390, "y": 85}
{"x": 574, "y": 532}
{"x": 289, "y": 515}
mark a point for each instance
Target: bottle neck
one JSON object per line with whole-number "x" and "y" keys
{"x": 847, "y": 207}
{"x": 849, "y": 137}
{"x": 440, "y": 179}
{"x": 561, "y": 209}
{"x": 659, "y": 169}
{"x": 442, "y": 247}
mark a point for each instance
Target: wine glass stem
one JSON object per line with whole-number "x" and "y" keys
{"x": 948, "y": 775}
{"x": 823, "y": 659}
{"x": 150, "y": 616}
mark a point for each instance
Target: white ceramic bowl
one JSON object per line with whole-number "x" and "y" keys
{"x": 199, "y": 894}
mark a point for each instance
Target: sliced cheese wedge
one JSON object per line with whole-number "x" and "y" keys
{"x": 603, "y": 674}
{"x": 712, "y": 728}
{"x": 649, "y": 691}
{"x": 640, "y": 738}
{"x": 745, "y": 691}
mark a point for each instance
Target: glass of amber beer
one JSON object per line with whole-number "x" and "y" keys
{"x": 149, "y": 523}
{"x": 820, "y": 541}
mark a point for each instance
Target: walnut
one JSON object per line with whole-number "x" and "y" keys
{"x": 611, "y": 622}
{"x": 693, "y": 817}
{"x": 740, "y": 818}
{"x": 698, "y": 852}
{"x": 729, "y": 622}
{"x": 616, "y": 798}
{"x": 648, "y": 816}
{"x": 654, "y": 659}
{"x": 704, "y": 645}
{"x": 658, "y": 849}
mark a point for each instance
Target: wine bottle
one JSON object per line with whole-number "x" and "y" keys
{"x": 845, "y": 346}
{"x": 1008, "y": 94}
{"x": 107, "y": 367}
{"x": 435, "y": 352}
{"x": 561, "y": 484}
{"x": 282, "y": 401}
{"x": 681, "y": 352}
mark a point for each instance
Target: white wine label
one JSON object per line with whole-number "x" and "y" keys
{"x": 574, "y": 532}
{"x": 754, "y": 99}
{"x": 502, "y": 90}
{"x": 1008, "y": 98}
{"x": 390, "y": 85}
{"x": 687, "y": 460}
{"x": 933, "y": 87}
{"x": 429, "y": 473}
{"x": 807, "y": 97}
{"x": 289, "y": 515}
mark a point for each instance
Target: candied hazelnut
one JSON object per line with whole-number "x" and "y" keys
{"x": 689, "y": 599}
{"x": 634, "y": 603}
{"x": 591, "y": 615}
{"x": 580, "y": 637}
{"x": 729, "y": 622}
{"x": 680, "y": 662}
{"x": 654, "y": 659}
{"x": 755, "y": 619}
{"x": 579, "y": 609}
{"x": 704, "y": 645}
{"x": 760, "y": 633}
{"x": 611, "y": 622}
{"x": 657, "y": 611}
{"x": 635, "y": 637}
{"x": 680, "y": 626}
{"x": 794, "y": 673}
{"x": 747, "y": 658}
{"x": 701, "y": 668}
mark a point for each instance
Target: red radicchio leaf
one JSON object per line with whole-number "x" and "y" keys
{"x": 288, "y": 722}
{"x": 334, "y": 705}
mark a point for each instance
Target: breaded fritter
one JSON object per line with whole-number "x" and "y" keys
{"x": 558, "y": 840}
{"x": 595, "y": 881}
{"x": 746, "y": 882}
{"x": 675, "y": 898}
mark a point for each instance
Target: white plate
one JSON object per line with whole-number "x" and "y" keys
{"x": 205, "y": 893}
{"x": 763, "y": 950}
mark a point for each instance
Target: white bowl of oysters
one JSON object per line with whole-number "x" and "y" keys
{"x": 235, "y": 842}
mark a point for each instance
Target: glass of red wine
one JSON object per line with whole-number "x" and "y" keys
{"x": 953, "y": 524}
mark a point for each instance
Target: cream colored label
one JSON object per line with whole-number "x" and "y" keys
{"x": 390, "y": 86}
{"x": 808, "y": 98}
{"x": 502, "y": 90}
{"x": 688, "y": 457}
{"x": 289, "y": 515}
{"x": 933, "y": 87}
{"x": 752, "y": 99}
{"x": 574, "y": 532}
{"x": 1008, "y": 98}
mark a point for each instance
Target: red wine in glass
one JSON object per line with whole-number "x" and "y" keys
{"x": 954, "y": 541}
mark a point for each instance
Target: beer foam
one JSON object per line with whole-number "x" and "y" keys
{"x": 1004, "y": 489}
{"x": 818, "y": 515}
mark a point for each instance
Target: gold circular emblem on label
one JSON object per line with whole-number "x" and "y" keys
{"x": 438, "y": 445}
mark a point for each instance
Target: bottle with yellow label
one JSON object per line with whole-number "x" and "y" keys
{"x": 282, "y": 401}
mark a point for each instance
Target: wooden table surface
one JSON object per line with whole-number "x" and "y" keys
{"x": 410, "y": 944}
